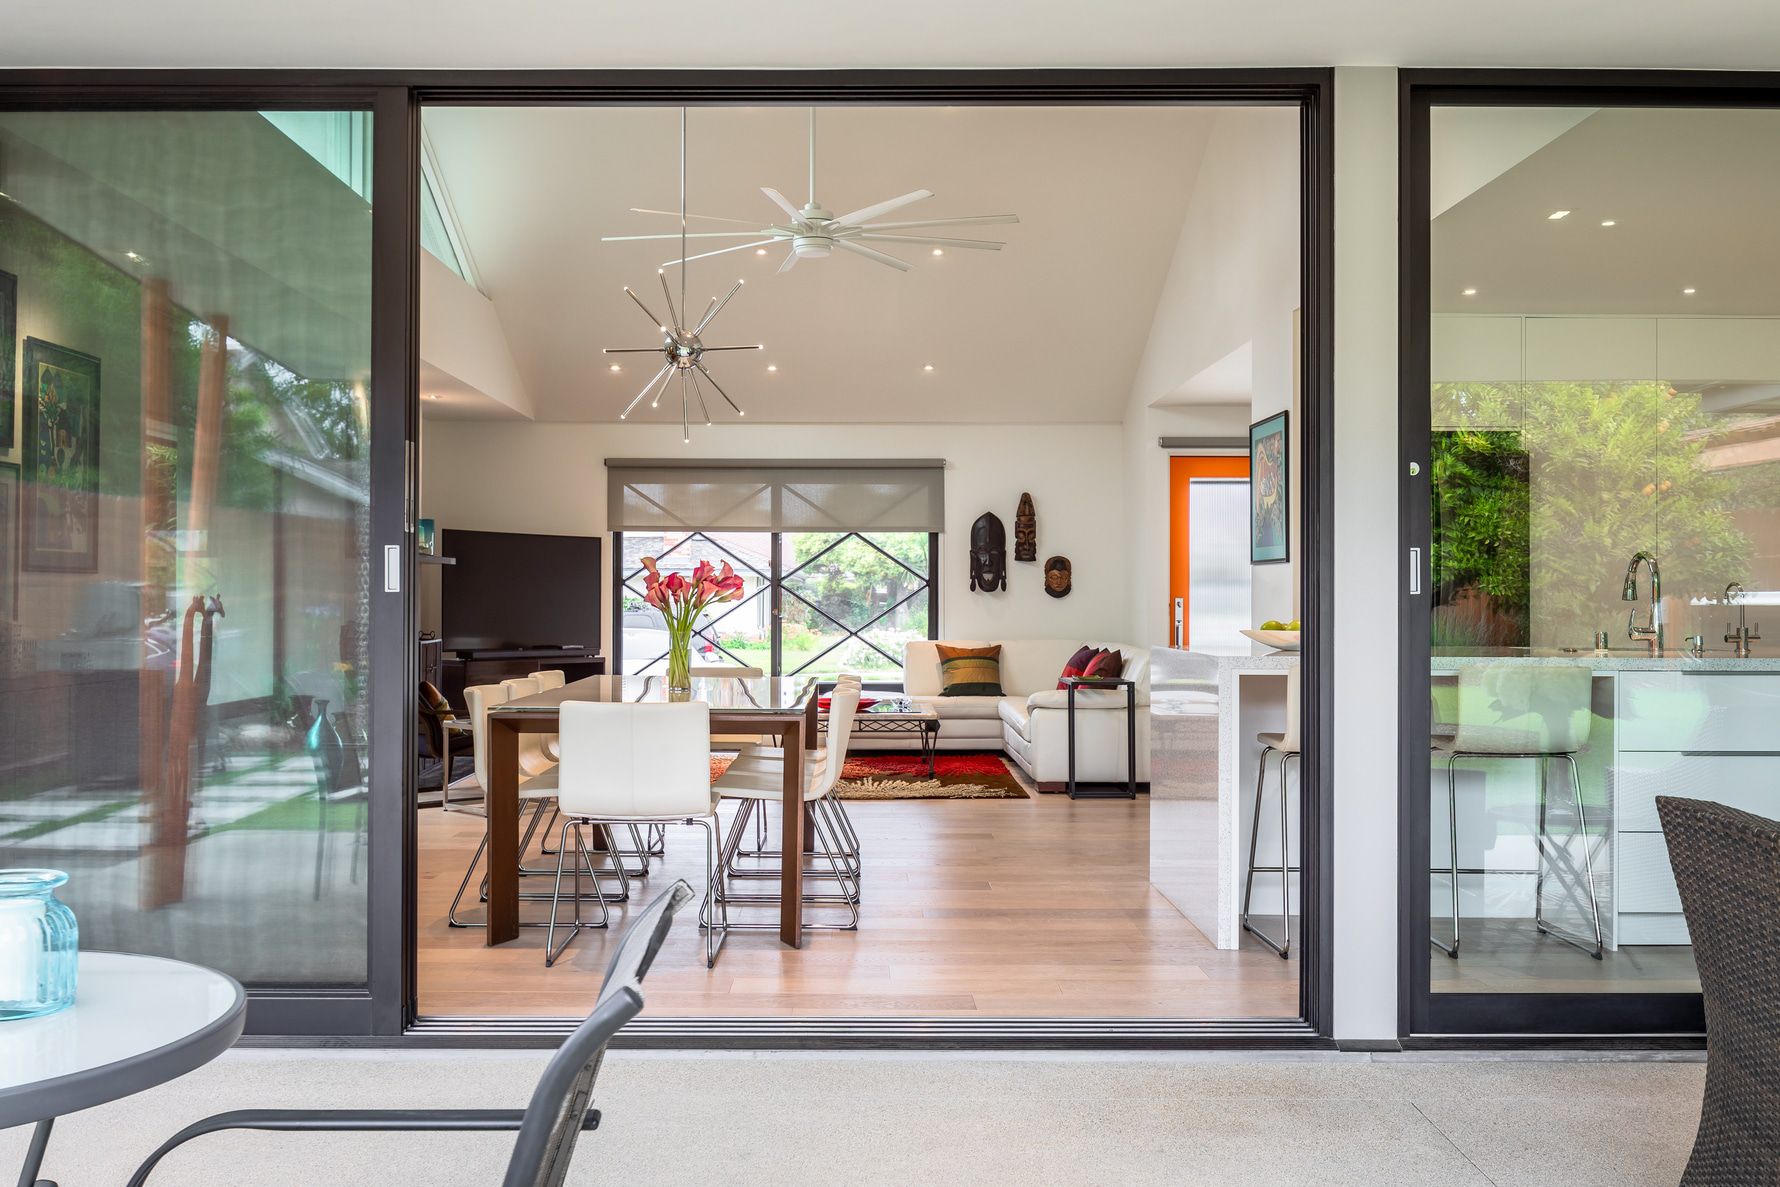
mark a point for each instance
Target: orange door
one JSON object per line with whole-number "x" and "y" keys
{"x": 1181, "y": 472}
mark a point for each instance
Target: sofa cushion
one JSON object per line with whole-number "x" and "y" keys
{"x": 970, "y": 671}
{"x": 1016, "y": 715}
{"x": 961, "y": 708}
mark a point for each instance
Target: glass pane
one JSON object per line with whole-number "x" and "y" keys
{"x": 852, "y": 601}
{"x": 1221, "y": 590}
{"x": 1605, "y": 465}
{"x": 730, "y": 633}
{"x": 183, "y": 577}
{"x": 433, "y": 235}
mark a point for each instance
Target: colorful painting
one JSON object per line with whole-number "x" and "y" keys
{"x": 61, "y": 457}
{"x": 1269, "y": 539}
{"x": 9, "y": 541}
{"x": 9, "y": 337}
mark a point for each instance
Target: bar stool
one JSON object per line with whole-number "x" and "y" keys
{"x": 1524, "y": 711}
{"x": 1288, "y": 746}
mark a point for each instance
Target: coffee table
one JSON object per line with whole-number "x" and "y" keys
{"x": 136, "y": 1021}
{"x": 896, "y": 715}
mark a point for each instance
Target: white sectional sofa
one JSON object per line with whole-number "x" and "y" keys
{"x": 1030, "y": 721}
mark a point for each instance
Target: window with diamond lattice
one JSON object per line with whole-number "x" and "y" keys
{"x": 813, "y": 603}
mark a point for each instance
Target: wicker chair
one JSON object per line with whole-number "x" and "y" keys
{"x": 561, "y": 1104}
{"x": 1727, "y": 865}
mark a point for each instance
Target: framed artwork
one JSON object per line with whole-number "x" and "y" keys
{"x": 1269, "y": 519}
{"x": 9, "y": 349}
{"x": 60, "y": 390}
{"x": 9, "y": 541}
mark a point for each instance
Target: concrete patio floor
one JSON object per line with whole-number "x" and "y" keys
{"x": 1232, "y": 1120}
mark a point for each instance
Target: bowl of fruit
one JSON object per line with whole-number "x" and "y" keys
{"x": 1276, "y": 634}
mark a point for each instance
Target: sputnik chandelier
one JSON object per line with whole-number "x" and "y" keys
{"x": 681, "y": 343}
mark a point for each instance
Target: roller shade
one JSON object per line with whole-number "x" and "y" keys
{"x": 702, "y": 494}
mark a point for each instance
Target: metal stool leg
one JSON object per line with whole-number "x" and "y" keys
{"x": 1254, "y": 836}
{"x": 1452, "y": 840}
{"x": 1597, "y": 949}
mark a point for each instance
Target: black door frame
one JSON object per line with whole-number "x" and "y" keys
{"x": 386, "y": 1013}
{"x": 1425, "y": 1017}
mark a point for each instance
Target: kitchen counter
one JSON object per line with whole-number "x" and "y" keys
{"x": 1616, "y": 660}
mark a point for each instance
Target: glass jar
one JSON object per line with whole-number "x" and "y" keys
{"x": 39, "y": 942}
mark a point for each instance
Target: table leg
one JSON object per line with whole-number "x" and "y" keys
{"x": 792, "y": 840}
{"x": 503, "y": 831}
{"x": 34, "y": 1155}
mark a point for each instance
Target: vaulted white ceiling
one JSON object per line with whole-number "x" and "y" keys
{"x": 1050, "y": 328}
{"x": 778, "y": 33}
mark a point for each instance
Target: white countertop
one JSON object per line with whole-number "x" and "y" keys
{"x": 1616, "y": 660}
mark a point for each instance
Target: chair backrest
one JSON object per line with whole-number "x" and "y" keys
{"x": 1727, "y": 867}
{"x": 558, "y": 1107}
{"x": 1293, "y": 737}
{"x": 843, "y": 705}
{"x": 479, "y": 699}
{"x": 549, "y": 678}
{"x": 532, "y": 755}
{"x": 719, "y": 671}
{"x": 434, "y": 711}
{"x": 1523, "y": 709}
{"x": 634, "y": 759}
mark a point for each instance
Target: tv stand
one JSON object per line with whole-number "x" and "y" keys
{"x": 462, "y": 669}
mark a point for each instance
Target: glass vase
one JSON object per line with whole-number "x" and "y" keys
{"x": 679, "y": 661}
{"x": 39, "y": 942}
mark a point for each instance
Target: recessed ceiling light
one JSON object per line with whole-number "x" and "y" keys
{"x": 928, "y": 367}
{"x": 1609, "y": 222}
{"x": 615, "y": 367}
{"x": 1470, "y": 292}
{"x": 432, "y": 395}
{"x": 772, "y": 366}
{"x": 1557, "y": 214}
{"x": 760, "y": 251}
{"x": 1689, "y": 292}
{"x": 939, "y": 251}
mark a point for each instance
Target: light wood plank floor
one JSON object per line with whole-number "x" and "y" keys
{"x": 1038, "y": 907}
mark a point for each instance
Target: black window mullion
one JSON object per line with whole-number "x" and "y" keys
{"x": 778, "y": 604}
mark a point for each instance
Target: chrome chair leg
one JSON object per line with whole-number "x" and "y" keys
{"x": 1598, "y": 948}
{"x": 1285, "y": 869}
{"x": 1452, "y": 833}
{"x": 575, "y": 925}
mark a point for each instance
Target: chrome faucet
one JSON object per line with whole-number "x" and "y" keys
{"x": 1652, "y": 634}
{"x": 1739, "y": 634}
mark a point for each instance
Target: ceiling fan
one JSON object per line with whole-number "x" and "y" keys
{"x": 815, "y": 231}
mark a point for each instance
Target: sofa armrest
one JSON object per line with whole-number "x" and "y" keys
{"x": 1086, "y": 698}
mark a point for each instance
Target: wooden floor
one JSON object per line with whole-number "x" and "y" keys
{"x": 1038, "y": 907}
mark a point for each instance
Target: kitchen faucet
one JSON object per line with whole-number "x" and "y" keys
{"x": 1652, "y": 634}
{"x": 1739, "y": 634}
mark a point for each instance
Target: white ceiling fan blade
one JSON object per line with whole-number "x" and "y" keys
{"x": 722, "y": 251}
{"x": 689, "y": 235}
{"x": 979, "y": 220}
{"x": 782, "y": 202}
{"x": 712, "y": 218}
{"x": 927, "y": 241}
{"x": 790, "y": 262}
{"x": 868, "y": 253}
{"x": 866, "y": 213}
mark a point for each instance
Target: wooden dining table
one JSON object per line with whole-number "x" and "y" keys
{"x": 786, "y": 706}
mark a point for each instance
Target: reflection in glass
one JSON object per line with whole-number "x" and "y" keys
{"x": 182, "y": 659}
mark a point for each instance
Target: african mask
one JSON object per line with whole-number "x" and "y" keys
{"x": 1058, "y": 576}
{"x": 1025, "y": 530}
{"x": 988, "y": 554}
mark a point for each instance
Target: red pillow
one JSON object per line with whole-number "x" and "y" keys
{"x": 1075, "y": 665}
{"x": 1106, "y": 665}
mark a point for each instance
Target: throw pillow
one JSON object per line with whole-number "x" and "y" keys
{"x": 1076, "y": 664}
{"x": 970, "y": 671}
{"x": 1106, "y": 665}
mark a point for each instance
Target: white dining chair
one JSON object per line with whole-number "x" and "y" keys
{"x": 1289, "y": 747}
{"x": 536, "y": 790}
{"x": 634, "y": 764}
{"x": 836, "y": 806}
{"x": 758, "y": 777}
{"x": 549, "y": 679}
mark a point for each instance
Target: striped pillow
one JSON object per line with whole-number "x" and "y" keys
{"x": 970, "y": 671}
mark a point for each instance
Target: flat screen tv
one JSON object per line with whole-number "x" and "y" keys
{"x": 510, "y": 591}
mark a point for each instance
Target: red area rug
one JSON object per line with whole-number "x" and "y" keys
{"x": 905, "y": 777}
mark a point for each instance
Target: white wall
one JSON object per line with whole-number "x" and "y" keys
{"x": 1234, "y": 280}
{"x": 1367, "y": 566}
{"x": 550, "y": 478}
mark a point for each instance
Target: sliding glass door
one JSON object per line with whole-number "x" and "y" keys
{"x": 185, "y": 587}
{"x": 1592, "y": 434}
{"x": 817, "y": 603}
